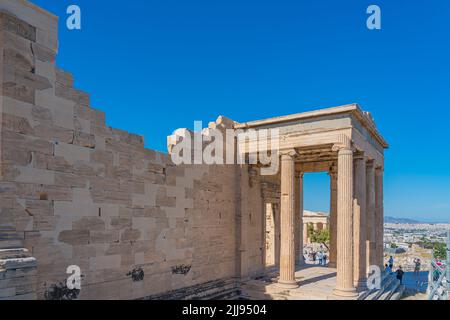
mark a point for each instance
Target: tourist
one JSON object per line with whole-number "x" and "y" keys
{"x": 436, "y": 275}
{"x": 387, "y": 268}
{"x": 417, "y": 264}
{"x": 400, "y": 273}
{"x": 391, "y": 262}
{"x": 324, "y": 259}
{"x": 313, "y": 255}
{"x": 319, "y": 257}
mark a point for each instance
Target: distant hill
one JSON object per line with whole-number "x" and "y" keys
{"x": 400, "y": 220}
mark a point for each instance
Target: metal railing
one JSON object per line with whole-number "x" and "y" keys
{"x": 439, "y": 277}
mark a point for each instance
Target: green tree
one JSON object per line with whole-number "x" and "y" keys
{"x": 440, "y": 250}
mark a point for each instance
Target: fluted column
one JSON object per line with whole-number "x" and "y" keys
{"x": 287, "y": 254}
{"x": 370, "y": 215}
{"x": 359, "y": 223}
{"x": 379, "y": 217}
{"x": 299, "y": 218}
{"x": 305, "y": 233}
{"x": 333, "y": 219}
{"x": 344, "y": 278}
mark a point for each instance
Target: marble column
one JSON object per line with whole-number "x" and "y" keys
{"x": 287, "y": 254}
{"x": 370, "y": 215}
{"x": 379, "y": 218}
{"x": 344, "y": 278}
{"x": 299, "y": 218}
{"x": 305, "y": 233}
{"x": 359, "y": 223}
{"x": 333, "y": 219}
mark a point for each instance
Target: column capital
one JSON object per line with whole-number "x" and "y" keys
{"x": 287, "y": 153}
{"x": 299, "y": 174}
{"x": 379, "y": 170}
{"x": 360, "y": 156}
{"x": 343, "y": 143}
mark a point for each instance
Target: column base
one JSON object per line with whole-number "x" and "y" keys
{"x": 347, "y": 293}
{"x": 287, "y": 284}
{"x": 299, "y": 263}
{"x": 361, "y": 285}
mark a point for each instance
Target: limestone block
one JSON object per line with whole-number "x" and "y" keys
{"x": 46, "y": 70}
{"x": 120, "y": 222}
{"x": 17, "y": 26}
{"x": 68, "y": 179}
{"x": 42, "y": 53}
{"x": 19, "y": 61}
{"x": 32, "y": 175}
{"x": 42, "y": 115}
{"x": 74, "y": 237}
{"x": 82, "y": 125}
{"x": 130, "y": 235}
{"x": 146, "y": 227}
{"x": 18, "y": 44}
{"x": 109, "y": 236}
{"x": 105, "y": 262}
{"x": 163, "y": 200}
{"x": 54, "y": 133}
{"x": 132, "y": 187}
{"x": 64, "y": 78}
{"x": 72, "y": 153}
{"x": 89, "y": 223}
{"x": 102, "y": 156}
{"x": 84, "y": 140}
{"x": 47, "y": 39}
{"x": 21, "y": 78}
{"x": 17, "y": 124}
{"x": 18, "y": 92}
{"x": 71, "y": 94}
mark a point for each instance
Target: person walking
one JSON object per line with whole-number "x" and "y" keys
{"x": 391, "y": 262}
{"x": 320, "y": 257}
{"x": 417, "y": 265}
{"x": 400, "y": 273}
{"x": 324, "y": 259}
{"x": 387, "y": 268}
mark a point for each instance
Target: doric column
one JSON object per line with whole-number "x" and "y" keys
{"x": 370, "y": 215}
{"x": 287, "y": 254}
{"x": 359, "y": 223}
{"x": 379, "y": 218}
{"x": 344, "y": 278}
{"x": 299, "y": 218}
{"x": 333, "y": 219}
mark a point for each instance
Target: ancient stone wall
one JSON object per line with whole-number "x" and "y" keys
{"x": 75, "y": 191}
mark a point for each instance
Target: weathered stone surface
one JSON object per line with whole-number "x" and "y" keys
{"x": 17, "y": 26}
{"x": 74, "y": 237}
{"x": 71, "y": 94}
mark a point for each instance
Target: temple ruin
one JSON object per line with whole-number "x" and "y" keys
{"x": 76, "y": 192}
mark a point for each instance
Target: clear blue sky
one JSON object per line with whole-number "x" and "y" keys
{"x": 154, "y": 66}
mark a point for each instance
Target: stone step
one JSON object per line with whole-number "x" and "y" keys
{"x": 389, "y": 291}
{"x": 398, "y": 294}
{"x": 14, "y": 253}
{"x": 19, "y": 263}
{"x": 8, "y": 235}
{"x": 10, "y": 244}
{"x": 376, "y": 293}
{"x": 369, "y": 294}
